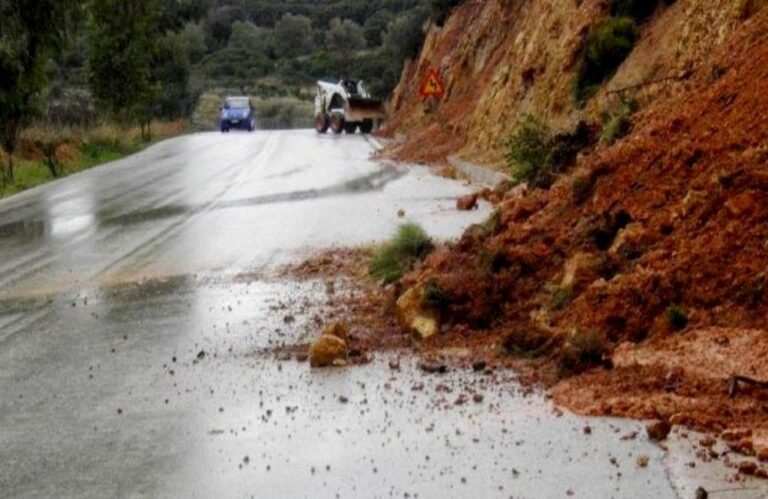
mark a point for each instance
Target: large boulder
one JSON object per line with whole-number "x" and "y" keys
{"x": 414, "y": 317}
{"x": 331, "y": 347}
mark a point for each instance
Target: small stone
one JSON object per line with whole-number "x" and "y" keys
{"x": 467, "y": 203}
{"x": 479, "y": 366}
{"x": 587, "y": 430}
{"x": 658, "y": 430}
{"x": 394, "y": 365}
{"x": 400, "y": 213}
{"x": 433, "y": 367}
{"x": 343, "y": 399}
{"x": 642, "y": 461}
{"x": 478, "y": 398}
{"x": 201, "y": 355}
{"x": 701, "y": 493}
{"x": 747, "y": 467}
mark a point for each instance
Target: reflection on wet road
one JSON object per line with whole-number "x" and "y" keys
{"x": 130, "y": 359}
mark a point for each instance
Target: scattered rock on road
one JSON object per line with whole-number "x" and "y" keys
{"x": 658, "y": 430}
{"x": 479, "y": 365}
{"x": 413, "y": 317}
{"x": 433, "y": 367}
{"x": 747, "y": 467}
{"x": 331, "y": 347}
{"x": 467, "y": 203}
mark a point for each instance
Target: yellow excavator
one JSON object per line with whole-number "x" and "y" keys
{"x": 346, "y": 107}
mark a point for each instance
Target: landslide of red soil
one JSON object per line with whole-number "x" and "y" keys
{"x": 676, "y": 213}
{"x": 501, "y": 59}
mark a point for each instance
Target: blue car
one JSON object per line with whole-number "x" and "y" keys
{"x": 237, "y": 113}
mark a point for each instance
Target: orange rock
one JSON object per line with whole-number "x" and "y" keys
{"x": 747, "y": 467}
{"x": 658, "y": 430}
{"x": 467, "y": 203}
{"x": 326, "y": 350}
{"x": 413, "y": 317}
{"x": 744, "y": 203}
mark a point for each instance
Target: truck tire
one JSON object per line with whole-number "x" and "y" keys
{"x": 337, "y": 124}
{"x": 322, "y": 123}
{"x": 350, "y": 128}
{"x": 366, "y": 127}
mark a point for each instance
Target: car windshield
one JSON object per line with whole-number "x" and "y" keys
{"x": 237, "y": 103}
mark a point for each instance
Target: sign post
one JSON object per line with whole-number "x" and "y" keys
{"x": 432, "y": 86}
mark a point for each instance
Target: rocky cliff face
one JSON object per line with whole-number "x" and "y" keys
{"x": 501, "y": 59}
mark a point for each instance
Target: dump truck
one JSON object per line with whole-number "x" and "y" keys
{"x": 346, "y": 107}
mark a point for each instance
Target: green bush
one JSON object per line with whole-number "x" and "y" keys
{"x": 677, "y": 317}
{"x": 608, "y": 45}
{"x": 529, "y": 152}
{"x": 410, "y": 245}
{"x": 536, "y": 155}
{"x": 616, "y": 121}
{"x": 283, "y": 113}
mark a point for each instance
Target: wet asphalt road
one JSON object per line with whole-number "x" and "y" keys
{"x": 114, "y": 280}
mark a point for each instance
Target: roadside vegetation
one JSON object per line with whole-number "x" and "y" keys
{"x": 609, "y": 43}
{"x": 409, "y": 246}
{"x": 85, "y": 64}
{"x": 536, "y": 154}
{"x": 47, "y": 153}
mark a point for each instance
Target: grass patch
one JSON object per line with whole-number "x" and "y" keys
{"x": 617, "y": 120}
{"x": 409, "y": 246}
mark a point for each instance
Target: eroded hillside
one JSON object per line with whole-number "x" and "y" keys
{"x": 502, "y": 59}
{"x": 639, "y": 277}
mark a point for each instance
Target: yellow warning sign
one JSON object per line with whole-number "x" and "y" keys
{"x": 432, "y": 86}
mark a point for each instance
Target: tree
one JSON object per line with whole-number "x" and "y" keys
{"x": 170, "y": 72}
{"x": 248, "y": 36}
{"x": 292, "y": 36}
{"x": 405, "y": 34}
{"x": 219, "y": 23}
{"x": 375, "y": 26}
{"x": 193, "y": 40}
{"x": 122, "y": 49}
{"x": 344, "y": 36}
{"x": 31, "y": 32}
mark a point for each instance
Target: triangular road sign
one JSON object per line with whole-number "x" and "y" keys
{"x": 432, "y": 86}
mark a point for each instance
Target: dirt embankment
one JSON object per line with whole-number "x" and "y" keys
{"x": 501, "y": 59}
{"x": 648, "y": 261}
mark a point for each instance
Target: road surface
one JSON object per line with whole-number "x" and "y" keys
{"x": 113, "y": 280}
